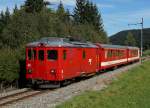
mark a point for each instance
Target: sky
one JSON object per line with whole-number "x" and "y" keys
{"x": 116, "y": 14}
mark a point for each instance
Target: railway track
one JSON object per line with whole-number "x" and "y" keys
{"x": 6, "y": 100}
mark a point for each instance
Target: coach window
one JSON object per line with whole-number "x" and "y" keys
{"x": 117, "y": 53}
{"x": 109, "y": 53}
{"x": 52, "y": 54}
{"x": 64, "y": 54}
{"x": 41, "y": 55}
{"x": 83, "y": 55}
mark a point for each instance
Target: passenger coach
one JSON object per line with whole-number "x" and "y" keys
{"x": 112, "y": 56}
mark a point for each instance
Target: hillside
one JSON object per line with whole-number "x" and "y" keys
{"x": 119, "y": 38}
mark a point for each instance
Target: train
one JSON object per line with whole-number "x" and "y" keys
{"x": 51, "y": 61}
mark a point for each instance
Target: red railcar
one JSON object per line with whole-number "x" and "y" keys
{"x": 52, "y": 61}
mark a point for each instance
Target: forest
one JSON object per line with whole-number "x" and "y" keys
{"x": 36, "y": 19}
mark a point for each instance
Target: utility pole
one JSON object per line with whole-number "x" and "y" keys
{"x": 142, "y": 38}
{"x": 141, "y": 49}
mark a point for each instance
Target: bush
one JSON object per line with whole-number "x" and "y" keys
{"x": 146, "y": 53}
{"x": 9, "y": 65}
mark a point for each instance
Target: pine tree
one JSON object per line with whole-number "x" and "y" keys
{"x": 130, "y": 40}
{"x": 15, "y": 9}
{"x": 79, "y": 11}
{"x": 32, "y": 6}
{"x": 60, "y": 9}
{"x": 62, "y": 14}
{"x": 4, "y": 19}
{"x": 1, "y": 21}
{"x": 97, "y": 19}
{"x": 7, "y": 16}
{"x": 68, "y": 16}
{"x": 87, "y": 12}
{"x": 2, "y": 16}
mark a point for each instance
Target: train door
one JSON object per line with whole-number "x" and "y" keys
{"x": 31, "y": 60}
{"x": 97, "y": 60}
{"x": 40, "y": 64}
{"x": 52, "y": 63}
{"x": 127, "y": 53}
{"x": 69, "y": 62}
{"x": 84, "y": 61}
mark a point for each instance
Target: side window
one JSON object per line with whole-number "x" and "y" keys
{"x": 52, "y": 54}
{"x": 41, "y": 55}
{"x": 64, "y": 54}
{"x": 83, "y": 54}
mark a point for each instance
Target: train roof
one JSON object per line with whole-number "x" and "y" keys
{"x": 65, "y": 42}
{"x": 130, "y": 47}
{"x": 60, "y": 42}
{"x": 112, "y": 46}
{"x": 116, "y": 46}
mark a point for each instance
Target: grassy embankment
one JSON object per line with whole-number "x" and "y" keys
{"x": 131, "y": 90}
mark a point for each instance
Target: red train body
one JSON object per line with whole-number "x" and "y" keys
{"x": 51, "y": 61}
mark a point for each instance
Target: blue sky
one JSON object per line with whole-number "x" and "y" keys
{"x": 116, "y": 14}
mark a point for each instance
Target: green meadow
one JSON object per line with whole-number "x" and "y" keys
{"x": 130, "y": 90}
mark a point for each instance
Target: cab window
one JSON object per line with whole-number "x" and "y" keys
{"x": 31, "y": 54}
{"x": 41, "y": 55}
{"x": 52, "y": 54}
{"x": 34, "y": 54}
{"x": 64, "y": 54}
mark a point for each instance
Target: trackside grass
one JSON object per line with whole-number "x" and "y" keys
{"x": 131, "y": 90}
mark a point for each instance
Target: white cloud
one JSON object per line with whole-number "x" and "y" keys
{"x": 65, "y": 2}
{"x": 99, "y": 5}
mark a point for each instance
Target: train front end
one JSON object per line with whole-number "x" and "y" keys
{"x": 42, "y": 65}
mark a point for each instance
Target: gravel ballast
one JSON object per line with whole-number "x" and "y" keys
{"x": 56, "y": 97}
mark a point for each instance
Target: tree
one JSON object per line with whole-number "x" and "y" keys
{"x": 97, "y": 19}
{"x": 32, "y": 6}
{"x": 1, "y": 21}
{"x": 130, "y": 40}
{"x": 79, "y": 11}
{"x": 4, "y": 20}
{"x": 15, "y": 9}
{"x": 6, "y": 16}
{"x": 61, "y": 11}
{"x": 68, "y": 16}
{"x": 87, "y": 13}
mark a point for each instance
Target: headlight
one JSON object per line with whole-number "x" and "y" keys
{"x": 52, "y": 71}
{"x": 29, "y": 71}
